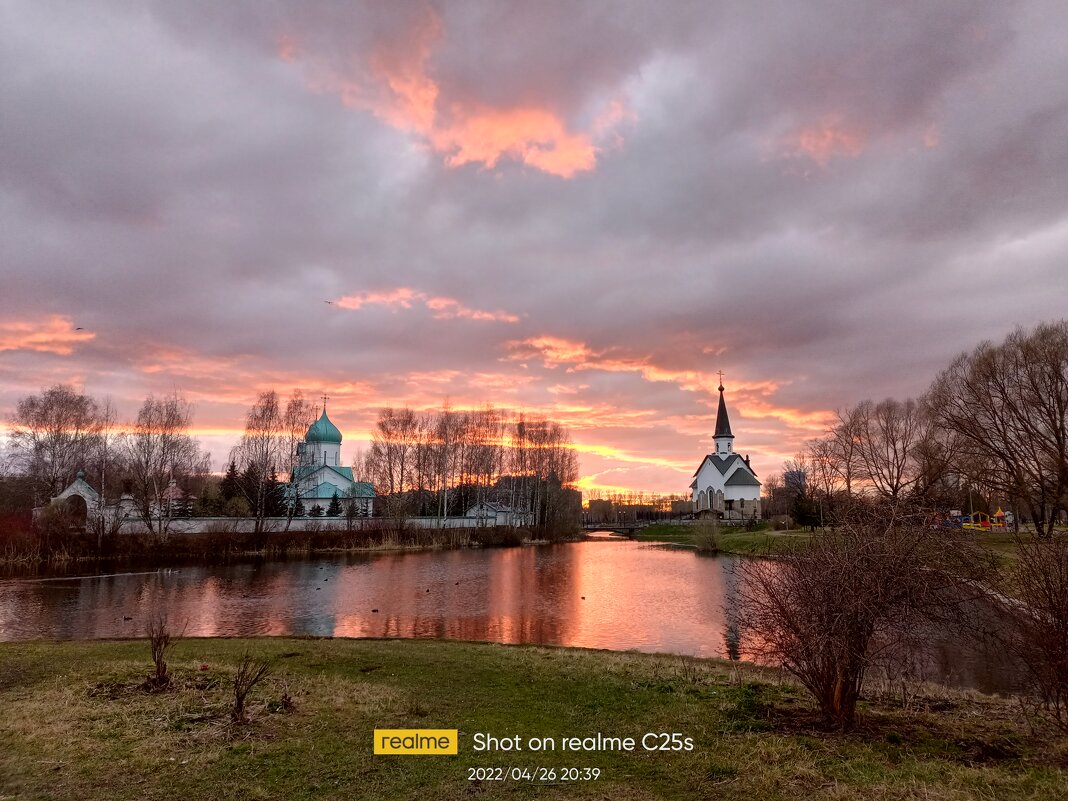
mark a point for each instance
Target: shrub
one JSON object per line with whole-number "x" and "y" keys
{"x": 834, "y": 607}
{"x": 160, "y": 642}
{"x": 1038, "y": 633}
{"x": 250, "y": 672}
{"x": 706, "y": 536}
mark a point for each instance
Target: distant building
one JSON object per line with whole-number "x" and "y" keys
{"x": 599, "y": 511}
{"x": 724, "y": 485}
{"x": 499, "y": 514}
{"x": 795, "y": 480}
{"x": 320, "y": 474}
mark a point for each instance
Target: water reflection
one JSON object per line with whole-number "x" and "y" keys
{"x": 617, "y": 595}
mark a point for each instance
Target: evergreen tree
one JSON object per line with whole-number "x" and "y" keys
{"x": 275, "y": 496}
{"x": 298, "y": 508}
{"x": 250, "y": 480}
{"x": 334, "y": 509}
{"x": 316, "y": 511}
{"x": 805, "y": 511}
{"x": 231, "y": 486}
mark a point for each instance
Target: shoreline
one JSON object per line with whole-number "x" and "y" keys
{"x": 213, "y": 548}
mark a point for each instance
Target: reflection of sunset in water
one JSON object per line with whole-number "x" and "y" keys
{"x": 617, "y": 595}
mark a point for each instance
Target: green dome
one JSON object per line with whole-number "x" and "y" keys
{"x": 322, "y": 430}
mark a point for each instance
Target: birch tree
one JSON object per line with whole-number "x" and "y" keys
{"x": 53, "y": 436}
{"x": 159, "y": 449}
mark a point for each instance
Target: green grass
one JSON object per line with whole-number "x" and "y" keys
{"x": 731, "y": 539}
{"x": 736, "y": 540}
{"x": 75, "y": 725}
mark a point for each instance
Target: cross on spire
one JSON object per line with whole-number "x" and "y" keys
{"x": 720, "y": 380}
{"x": 325, "y": 399}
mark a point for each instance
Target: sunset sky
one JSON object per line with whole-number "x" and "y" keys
{"x": 580, "y": 210}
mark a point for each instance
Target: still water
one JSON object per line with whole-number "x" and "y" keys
{"x": 611, "y": 594}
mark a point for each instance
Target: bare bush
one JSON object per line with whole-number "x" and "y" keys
{"x": 706, "y": 536}
{"x": 160, "y": 641}
{"x": 1039, "y": 633}
{"x": 250, "y": 672}
{"x": 845, "y": 602}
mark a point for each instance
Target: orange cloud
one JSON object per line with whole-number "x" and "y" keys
{"x": 533, "y": 136}
{"x": 398, "y": 89}
{"x": 401, "y": 297}
{"x": 830, "y": 137}
{"x": 578, "y": 356}
{"x": 54, "y": 334}
{"x": 442, "y": 308}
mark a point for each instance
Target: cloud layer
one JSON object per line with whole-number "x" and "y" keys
{"x": 583, "y": 210}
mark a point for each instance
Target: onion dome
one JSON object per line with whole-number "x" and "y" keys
{"x": 322, "y": 430}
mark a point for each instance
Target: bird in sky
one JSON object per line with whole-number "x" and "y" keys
{"x": 79, "y": 328}
{"x": 329, "y": 301}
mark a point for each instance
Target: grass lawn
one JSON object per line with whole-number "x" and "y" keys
{"x": 74, "y": 724}
{"x": 730, "y": 539}
{"x": 1001, "y": 544}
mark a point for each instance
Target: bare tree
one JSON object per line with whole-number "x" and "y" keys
{"x": 392, "y": 457}
{"x": 160, "y": 450}
{"x": 108, "y": 466}
{"x": 53, "y": 436}
{"x": 888, "y": 433}
{"x": 299, "y": 415}
{"x": 1038, "y": 630}
{"x": 262, "y": 448}
{"x": 1008, "y": 406}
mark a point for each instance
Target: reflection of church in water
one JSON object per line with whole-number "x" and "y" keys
{"x": 725, "y": 486}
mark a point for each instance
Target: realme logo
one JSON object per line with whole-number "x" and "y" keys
{"x": 416, "y": 741}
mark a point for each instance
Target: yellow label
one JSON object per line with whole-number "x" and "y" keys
{"x": 416, "y": 741}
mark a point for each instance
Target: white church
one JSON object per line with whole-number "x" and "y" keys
{"x": 320, "y": 474}
{"x": 725, "y": 486}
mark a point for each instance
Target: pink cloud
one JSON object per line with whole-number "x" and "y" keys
{"x": 441, "y": 308}
{"x": 828, "y": 138}
{"x": 396, "y": 86}
{"x": 55, "y": 334}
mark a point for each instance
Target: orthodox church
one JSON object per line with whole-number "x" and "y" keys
{"x": 725, "y": 486}
{"x": 320, "y": 474}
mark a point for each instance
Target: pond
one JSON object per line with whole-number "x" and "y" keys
{"x": 602, "y": 593}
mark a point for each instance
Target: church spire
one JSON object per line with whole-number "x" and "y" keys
{"x": 723, "y": 423}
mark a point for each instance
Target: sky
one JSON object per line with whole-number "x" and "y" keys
{"x": 580, "y": 210}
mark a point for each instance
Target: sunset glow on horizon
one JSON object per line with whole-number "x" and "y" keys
{"x": 580, "y": 212}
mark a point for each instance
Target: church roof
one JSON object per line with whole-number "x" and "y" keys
{"x": 360, "y": 489}
{"x": 719, "y": 462}
{"x": 307, "y": 469}
{"x": 79, "y": 487}
{"x": 723, "y": 423}
{"x": 322, "y": 430}
{"x": 742, "y": 478}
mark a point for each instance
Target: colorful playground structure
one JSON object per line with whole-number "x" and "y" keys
{"x": 978, "y": 521}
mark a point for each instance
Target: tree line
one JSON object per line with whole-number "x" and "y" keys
{"x": 435, "y": 463}
{"x": 441, "y": 463}
{"x": 859, "y": 597}
{"x": 60, "y": 432}
{"x": 990, "y": 430}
